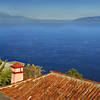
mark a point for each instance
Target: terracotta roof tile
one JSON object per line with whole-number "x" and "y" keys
{"x": 17, "y": 65}
{"x": 53, "y": 86}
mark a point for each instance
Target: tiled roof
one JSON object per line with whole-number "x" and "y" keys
{"x": 17, "y": 65}
{"x": 53, "y": 86}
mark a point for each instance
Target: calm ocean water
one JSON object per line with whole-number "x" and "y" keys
{"x": 54, "y": 46}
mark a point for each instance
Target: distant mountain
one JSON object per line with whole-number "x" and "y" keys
{"x": 6, "y": 18}
{"x": 88, "y": 19}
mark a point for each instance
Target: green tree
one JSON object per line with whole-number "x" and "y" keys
{"x": 28, "y": 66}
{"x": 0, "y": 61}
{"x": 74, "y": 72}
{"x": 32, "y": 71}
{"x": 3, "y": 65}
{"x": 5, "y": 77}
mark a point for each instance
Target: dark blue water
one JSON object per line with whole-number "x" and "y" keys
{"x": 54, "y": 46}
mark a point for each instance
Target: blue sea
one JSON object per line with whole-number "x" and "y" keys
{"x": 54, "y": 46}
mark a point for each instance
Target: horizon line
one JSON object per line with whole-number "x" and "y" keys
{"x": 60, "y": 19}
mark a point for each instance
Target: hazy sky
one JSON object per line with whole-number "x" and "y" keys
{"x": 51, "y": 9}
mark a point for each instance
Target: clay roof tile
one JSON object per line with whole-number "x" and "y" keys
{"x": 53, "y": 86}
{"x": 17, "y": 65}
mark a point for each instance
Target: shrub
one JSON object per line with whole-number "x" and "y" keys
{"x": 3, "y": 65}
{"x": 74, "y": 72}
{"x": 0, "y": 61}
{"x": 5, "y": 77}
{"x": 32, "y": 71}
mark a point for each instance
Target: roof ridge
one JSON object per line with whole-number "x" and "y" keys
{"x": 75, "y": 78}
{"x": 58, "y": 74}
{"x": 53, "y": 85}
{"x": 33, "y": 79}
{"x": 15, "y": 84}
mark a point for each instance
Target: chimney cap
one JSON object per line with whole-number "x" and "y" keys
{"x": 17, "y": 65}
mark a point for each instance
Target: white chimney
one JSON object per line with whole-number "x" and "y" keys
{"x": 17, "y": 72}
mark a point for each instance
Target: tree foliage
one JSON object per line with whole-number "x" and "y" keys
{"x": 1, "y": 61}
{"x": 32, "y": 71}
{"x": 5, "y": 77}
{"x": 74, "y": 72}
{"x": 3, "y": 65}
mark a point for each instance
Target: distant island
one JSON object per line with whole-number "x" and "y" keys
{"x": 7, "y": 18}
{"x": 88, "y": 19}
{"x": 10, "y": 19}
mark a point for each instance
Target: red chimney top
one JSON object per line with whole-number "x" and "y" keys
{"x": 17, "y": 65}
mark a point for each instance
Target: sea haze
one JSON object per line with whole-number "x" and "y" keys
{"x": 55, "y": 46}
